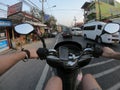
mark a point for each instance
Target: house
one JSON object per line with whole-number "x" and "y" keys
{"x": 101, "y": 10}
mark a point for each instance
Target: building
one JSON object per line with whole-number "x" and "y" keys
{"x": 5, "y": 28}
{"x": 18, "y": 16}
{"x": 101, "y": 10}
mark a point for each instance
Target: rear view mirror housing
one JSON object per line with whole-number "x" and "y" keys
{"x": 112, "y": 28}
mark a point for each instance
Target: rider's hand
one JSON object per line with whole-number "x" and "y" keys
{"x": 108, "y": 52}
{"x": 33, "y": 53}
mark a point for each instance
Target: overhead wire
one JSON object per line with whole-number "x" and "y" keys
{"x": 26, "y": 3}
{"x": 50, "y": 8}
{"x": 30, "y": 4}
{"x": 33, "y": 4}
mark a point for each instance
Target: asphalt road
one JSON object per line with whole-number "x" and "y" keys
{"x": 25, "y": 76}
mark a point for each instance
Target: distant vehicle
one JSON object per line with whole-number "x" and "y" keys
{"x": 67, "y": 33}
{"x": 95, "y": 31}
{"x": 76, "y": 31}
{"x": 54, "y": 33}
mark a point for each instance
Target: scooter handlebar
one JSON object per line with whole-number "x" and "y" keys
{"x": 97, "y": 51}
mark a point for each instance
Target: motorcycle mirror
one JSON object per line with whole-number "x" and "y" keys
{"x": 112, "y": 28}
{"x": 24, "y": 28}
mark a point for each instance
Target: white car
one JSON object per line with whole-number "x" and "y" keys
{"x": 76, "y": 31}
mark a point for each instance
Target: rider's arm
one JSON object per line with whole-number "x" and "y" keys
{"x": 7, "y": 61}
{"x": 110, "y": 53}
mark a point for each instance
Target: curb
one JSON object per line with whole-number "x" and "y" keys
{"x": 8, "y": 51}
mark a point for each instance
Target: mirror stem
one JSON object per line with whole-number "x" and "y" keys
{"x": 41, "y": 38}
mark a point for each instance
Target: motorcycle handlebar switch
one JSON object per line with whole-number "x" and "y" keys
{"x": 97, "y": 51}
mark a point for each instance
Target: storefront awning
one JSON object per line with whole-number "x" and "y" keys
{"x": 36, "y": 23}
{"x": 5, "y": 23}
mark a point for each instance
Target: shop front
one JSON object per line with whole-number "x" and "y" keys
{"x": 4, "y": 40}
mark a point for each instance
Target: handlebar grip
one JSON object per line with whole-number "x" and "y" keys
{"x": 42, "y": 53}
{"x": 97, "y": 51}
{"x": 54, "y": 61}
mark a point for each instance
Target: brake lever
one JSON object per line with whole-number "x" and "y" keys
{"x": 87, "y": 51}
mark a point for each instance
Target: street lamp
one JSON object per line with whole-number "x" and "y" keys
{"x": 75, "y": 21}
{"x": 51, "y": 7}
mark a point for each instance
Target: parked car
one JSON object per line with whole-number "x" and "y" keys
{"x": 67, "y": 33}
{"x": 54, "y": 33}
{"x": 95, "y": 31}
{"x": 76, "y": 31}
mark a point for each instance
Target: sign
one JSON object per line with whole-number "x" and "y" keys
{"x": 3, "y": 44}
{"x": 5, "y": 22}
{"x": 15, "y": 8}
{"x": 46, "y": 17}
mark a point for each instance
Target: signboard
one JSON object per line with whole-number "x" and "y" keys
{"x": 15, "y": 8}
{"x": 46, "y": 17}
{"x": 5, "y": 23}
{"x": 3, "y": 44}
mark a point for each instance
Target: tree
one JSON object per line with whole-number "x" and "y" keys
{"x": 51, "y": 22}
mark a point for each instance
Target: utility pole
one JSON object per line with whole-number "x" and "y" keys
{"x": 99, "y": 10}
{"x": 75, "y": 20}
{"x": 42, "y": 17}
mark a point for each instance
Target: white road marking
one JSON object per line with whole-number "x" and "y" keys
{"x": 106, "y": 72}
{"x": 115, "y": 87}
{"x": 42, "y": 78}
{"x": 96, "y": 64}
{"x": 57, "y": 38}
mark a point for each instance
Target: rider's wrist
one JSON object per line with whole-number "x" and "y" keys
{"x": 115, "y": 54}
{"x": 27, "y": 55}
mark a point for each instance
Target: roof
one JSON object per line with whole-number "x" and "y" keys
{"x": 86, "y": 4}
{"x": 36, "y": 23}
{"x": 95, "y": 23}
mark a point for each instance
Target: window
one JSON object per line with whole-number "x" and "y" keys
{"x": 89, "y": 28}
{"x": 100, "y": 27}
{"x": 2, "y": 32}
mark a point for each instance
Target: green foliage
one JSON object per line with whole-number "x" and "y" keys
{"x": 51, "y": 22}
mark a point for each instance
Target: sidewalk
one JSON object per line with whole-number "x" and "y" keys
{"x": 31, "y": 45}
{"x": 8, "y": 51}
{"x": 36, "y": 44}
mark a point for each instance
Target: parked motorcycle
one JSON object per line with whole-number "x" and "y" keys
{"x": 68, "y": 57}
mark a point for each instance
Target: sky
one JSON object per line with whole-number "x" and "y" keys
{"x": 65, "y": 10}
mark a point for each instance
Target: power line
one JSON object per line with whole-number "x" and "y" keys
{"x": 67, "y": 9}
{"x": 26, "y": 3}
{"x": 4, "y": 4}
{"x": 3, "y": 10}
{"x": 33, "y": 4}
